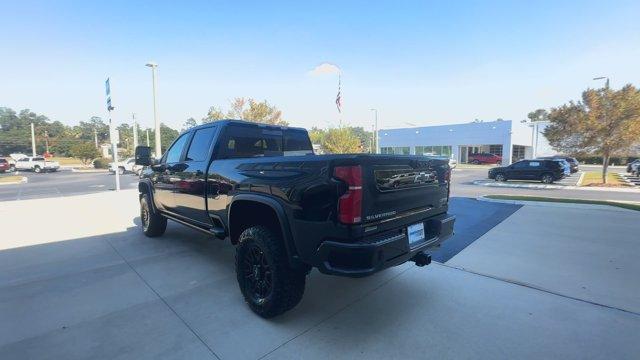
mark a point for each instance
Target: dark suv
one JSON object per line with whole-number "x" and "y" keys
{"x": 573, "y": 162}
{"x": 546, "y": 171}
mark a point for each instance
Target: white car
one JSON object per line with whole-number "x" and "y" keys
{"x": 36, "y": 164}
{"x": 128, "y": 165}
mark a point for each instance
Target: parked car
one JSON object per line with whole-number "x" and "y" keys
{"x": 453, "y": 162}
{"x": 4, "y": 165}
{"x": 36, "y": 164}
{"x": 485, "y": 158}
{"x": 632, "y": 167}
{"x": 288, "y": 210}
{"x": 546, "y": 171}
{"x": 573, "y": 162}
{"x": 565, "y": 164}
{"x": 128, "y": 165}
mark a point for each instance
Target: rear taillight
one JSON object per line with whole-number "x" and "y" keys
{"x": 350, "y": 203}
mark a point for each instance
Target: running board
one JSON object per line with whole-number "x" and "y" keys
{"x": 215, "y": 231}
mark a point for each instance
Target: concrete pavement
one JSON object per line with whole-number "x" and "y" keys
{"x": 83, "y": 282}
{"x": 589, "y": 254}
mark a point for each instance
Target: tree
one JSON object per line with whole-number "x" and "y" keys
{"x": 84, "y": 151}
{"x": 316, "y": 135}
{"x": 364, "y": 136}
{"x": 341, "y": 140}
{"x": 249, "y": 110}
{"x": 189, "y": 123}
{"x": 538, "y": 115}
{"x": 214, "y": 114}
{"x": 606, "y": 122}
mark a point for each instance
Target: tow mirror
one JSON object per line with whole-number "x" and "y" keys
{"x": 143, "y": 156}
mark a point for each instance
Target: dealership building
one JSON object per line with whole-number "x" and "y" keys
{"x": 512, "y": 140}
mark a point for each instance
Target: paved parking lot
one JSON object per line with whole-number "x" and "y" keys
{"x": 96, "y": 288}
{"x": 62, "y": 183}
{"x": 67, "y": 183}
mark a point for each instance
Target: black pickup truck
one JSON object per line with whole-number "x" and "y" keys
{"x": 288, "y": 210}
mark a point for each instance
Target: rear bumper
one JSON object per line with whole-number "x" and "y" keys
{"x": 371, "y": 255}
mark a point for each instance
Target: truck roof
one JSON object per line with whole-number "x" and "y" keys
{"x": 226, "y": 122}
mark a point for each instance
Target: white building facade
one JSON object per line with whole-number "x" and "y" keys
{"x": 512, "y": 140}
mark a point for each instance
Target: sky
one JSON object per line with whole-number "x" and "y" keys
{"x": 417, "y": 62}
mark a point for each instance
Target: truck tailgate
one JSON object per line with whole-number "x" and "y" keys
{"x": 393, "y": 185}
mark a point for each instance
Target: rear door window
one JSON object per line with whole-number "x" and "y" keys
{"x": 250, "y": 141}
{"x": 535, "y": 164}
{"x": 521, "y": 165}
{"x": 201, "y": 144}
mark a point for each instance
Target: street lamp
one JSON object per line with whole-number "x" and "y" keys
{"x": 375, "y": 132}
{"x": 606, "y": 84}
{"x": 154, "y": 68}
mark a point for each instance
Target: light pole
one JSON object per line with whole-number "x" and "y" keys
{"x": 606, "y": 84}
{"x": 135, "y": 132}
{"x": 154, "y": 67}
{"x": 375, "y": 132}
{"x": 33, "y": 140}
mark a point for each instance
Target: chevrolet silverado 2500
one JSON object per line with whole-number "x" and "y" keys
{"x": 287, "y": 210}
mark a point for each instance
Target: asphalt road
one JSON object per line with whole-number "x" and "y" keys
{"x": 65, "y": 183}
{"x": 462, "y": 186}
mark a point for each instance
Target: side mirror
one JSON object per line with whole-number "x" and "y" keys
{"x": 143, "y": 156}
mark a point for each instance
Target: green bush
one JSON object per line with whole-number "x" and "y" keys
{"x": 102, "y": 163}
{"x": 84, "y": 151}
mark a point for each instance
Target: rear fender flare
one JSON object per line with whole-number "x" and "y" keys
{"x": 282, "y": 219}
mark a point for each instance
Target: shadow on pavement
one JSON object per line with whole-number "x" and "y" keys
{"x": 473, "y": 219}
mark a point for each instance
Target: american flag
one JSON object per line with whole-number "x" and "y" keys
{"x": 338, "y": 99}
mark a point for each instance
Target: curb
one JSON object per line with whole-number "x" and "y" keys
{"x": 556, "y": 204}
{"x": 88, "y": 170}
{"x": 555, "y": 187}
{"x": 22, "y": 181}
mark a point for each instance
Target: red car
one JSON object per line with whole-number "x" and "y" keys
{"x": 4, "y": 165}
{"x": 485, "y": 158}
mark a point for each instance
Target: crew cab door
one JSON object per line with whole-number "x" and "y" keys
{"x": 165, "y": 173}
{"x": 191, "y": 174}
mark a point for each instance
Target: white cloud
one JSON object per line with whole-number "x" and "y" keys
{"x": 325, "y": 68}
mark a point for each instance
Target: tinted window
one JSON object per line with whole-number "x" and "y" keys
{"x": 200, "y": 144}
{"x": 38, "y": 159}
{"x": 521, "y": 165}
{"x": 297, "y": 140}
{"x": 174, "y": 153}
{"x": 249, "y": 141}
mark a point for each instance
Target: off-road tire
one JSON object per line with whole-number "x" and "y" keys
{"x": 547, "y": 178}
{"x": 153, "y": 224}
{"x": 286, "y": 284}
